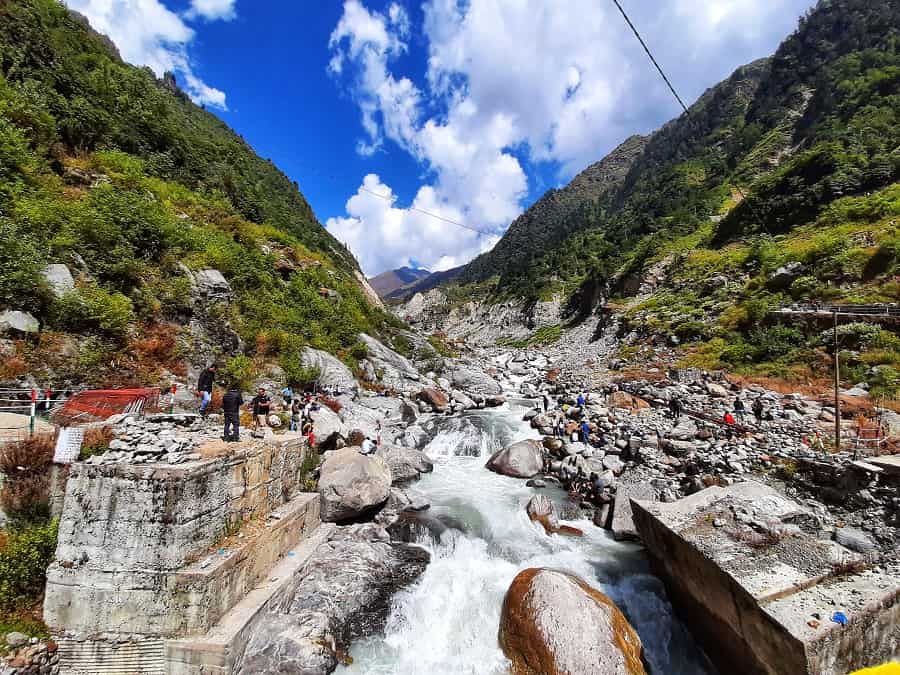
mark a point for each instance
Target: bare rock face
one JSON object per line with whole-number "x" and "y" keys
{"x": 332, "y": 372}
{"x": 475, "y": 383}
{"x": 554, "y": 623}
{"x": 352, "y": 486}
{"x": 520, "y": 460}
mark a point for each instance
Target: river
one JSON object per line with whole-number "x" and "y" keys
{"x": 447, "y": 622}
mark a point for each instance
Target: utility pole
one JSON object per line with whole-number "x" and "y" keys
{"x": 837, "y": 387}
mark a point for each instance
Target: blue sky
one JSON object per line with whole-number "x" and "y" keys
{"x": 467, "y": 109}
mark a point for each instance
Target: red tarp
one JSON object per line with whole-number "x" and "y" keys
{"x": 91, "y": 405}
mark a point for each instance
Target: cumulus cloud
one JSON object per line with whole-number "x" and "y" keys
{"x": 533, "y": 82}
{"x": 405, "y": 236}
{"x": 212, "y": 10}
{"x": 148, "y": 33}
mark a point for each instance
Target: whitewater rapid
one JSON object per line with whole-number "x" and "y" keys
{"x": 447, "y": 623}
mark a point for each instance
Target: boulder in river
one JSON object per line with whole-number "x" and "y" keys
{"x": 406, "y": 464}
{"x": 553, "y": 622}
{"x": 352, "y": 486}
{"x": 540, "y": 510}
{"x": 520, "y": 460}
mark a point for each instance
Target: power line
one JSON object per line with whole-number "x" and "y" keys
{"x": 678, "y": 98}
{"x": 428, "y": 213}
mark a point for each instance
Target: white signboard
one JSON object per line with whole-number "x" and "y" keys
{"x": 68, "y": 445}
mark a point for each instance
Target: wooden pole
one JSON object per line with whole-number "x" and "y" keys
{"x": 837, "y": 387}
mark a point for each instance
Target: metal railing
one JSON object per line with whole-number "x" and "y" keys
{"x": 860, "y": 310}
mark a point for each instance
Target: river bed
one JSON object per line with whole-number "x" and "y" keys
{"x": 447, "y": 622}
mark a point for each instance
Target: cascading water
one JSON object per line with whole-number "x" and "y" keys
{"x": 447, "y": 622}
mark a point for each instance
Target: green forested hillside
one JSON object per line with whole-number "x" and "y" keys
{"x": 119, "y": 176}
{"x": 811, "y": 138}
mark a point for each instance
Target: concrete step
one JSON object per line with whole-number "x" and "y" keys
{"x": 214, "y": 584}
{"x": 215, "y": 652}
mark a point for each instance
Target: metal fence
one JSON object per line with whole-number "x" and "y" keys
{"x": 860, "y": 310}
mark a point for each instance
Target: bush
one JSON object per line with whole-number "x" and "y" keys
{"x": 92, "y": 308}
{"x": 30, "y": 455}
{"x": 238, "y": 372}
{"x": 96, "y": 441}
{"x": 296, "y": 374}
{"x": 24, "y": 558}
{"x": 26, "y": 499}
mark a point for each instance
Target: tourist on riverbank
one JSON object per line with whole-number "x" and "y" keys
{"x": 758, "y": 410}
{"x": 296, "y": 415}
{"x": 675, "y": 407}
{"x": 231, "y": 409}
{"x": 585, "y": 432}
{"x": 287, "y": 397}
{"x": 580, "y": 401}
{"x": 262, "y": 406}
{"x": 739, "y": 409}
{"x": 205, "y": 387}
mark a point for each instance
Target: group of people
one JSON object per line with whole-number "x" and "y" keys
{"x": 300, "y": 407}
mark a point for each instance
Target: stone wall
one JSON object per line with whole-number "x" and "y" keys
{"x": 129, "y": 534}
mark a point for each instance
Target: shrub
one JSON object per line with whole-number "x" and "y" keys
{"x": 26, "y": 499}
{"x": 296, "y": 374}
{"x": 30, "y": 455}
{"x": 238, "y": 371}
{"x": 96, "y": 441}
{"x": 24, "y": 558}
{"x": 92, "y": 308}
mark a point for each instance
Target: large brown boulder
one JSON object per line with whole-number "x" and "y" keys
{"x": 622, "y": 399}
{"x": 520, "y": 460}
{"x": 540, "y": 510}
{"x": 434, "y": 397}
{"x": 554, "y": 623}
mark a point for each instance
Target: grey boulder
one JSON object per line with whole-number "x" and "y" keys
{"x": 18, "y": 323}
{"x": 332, "y": 373}
{"x": 520, "y": 460}
{"x": 406, "y": 464}
{"x": 352, "y": 486}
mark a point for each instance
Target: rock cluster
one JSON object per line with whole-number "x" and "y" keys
{"x": 29, "y": 656}
{"x": 162, "y": 438}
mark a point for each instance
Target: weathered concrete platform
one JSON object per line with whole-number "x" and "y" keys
{"x": 759, "y": 593}
{"x": 148, "y": 552}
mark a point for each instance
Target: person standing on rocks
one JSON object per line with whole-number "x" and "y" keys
{"x": 675, "y": 407}
{"x": 560, "y": 427}
{"x": 296, "y": 415}
{"x": 205, "y": 387}
{"x": 231, "y": 409}
{"x": 580, "y": 400}
{"x": 546, "y": 400}
{"x": 739, "y": 409}
{"x": 757, "y": 408}
{"x": 287, "y": 396}
{"x": 262, "y": 406}
{"x": 585, "y": 432}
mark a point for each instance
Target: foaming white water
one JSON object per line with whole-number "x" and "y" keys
{"x": 447, "y": 623}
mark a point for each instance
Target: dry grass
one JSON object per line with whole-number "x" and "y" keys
{"x": 29, "y": 455}
{"x": 27, "y": 497}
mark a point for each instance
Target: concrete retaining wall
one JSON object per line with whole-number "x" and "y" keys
{"x": 129, "y": 534}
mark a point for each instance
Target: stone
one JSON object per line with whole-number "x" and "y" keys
{"x": 274, "y": 421}
{"x": 553, "y": 444}
{"x": 540, "y": 510}
{"x": 211, "y": 284}
{"x": 685, "y": 430}
{"x": 434, "y": 397}
{"x": 409, "y": 413}
{"x": 352, "y": 486}
{"x": 332, "y": 372}
{"x": 14, "y": 640}
{"x": 624, "y": 400}
{"x": 475, "y": 383}
{"x": 535, "y": 483}
{"x": 395, "y": 371}
{"x": 14, "y": 322}
{"x": 520, "y": 460}
{"x": 326, "y": 424}
{"x": 855, "y": 540}
{"x": 406, "y": 464}
{"x": 717, "y": 390}
{"x": 554, "y": 622}
{"x": 785, "y": 275}
{"x": 59, "y": 279}
{"x": 614, "y": 464}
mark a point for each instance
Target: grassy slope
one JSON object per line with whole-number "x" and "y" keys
{"x": 102, "y": 163}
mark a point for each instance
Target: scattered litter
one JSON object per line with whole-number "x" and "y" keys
{"x": 840, "y": 617}
{"x": 206, "y": 563}
{"x": 812, "y": 623}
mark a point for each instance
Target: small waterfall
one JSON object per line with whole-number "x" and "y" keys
{"x": 447, "y": 622}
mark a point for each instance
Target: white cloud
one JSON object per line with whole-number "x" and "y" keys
{"x": 538, "y": 80}
{"x": 147, "y": 33}
{"x": 212, "y": 10}
{"x": 404, "y": 236}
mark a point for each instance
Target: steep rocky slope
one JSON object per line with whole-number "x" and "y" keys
{"x": 792, "y": 161}
{"x": 141, "y": 236}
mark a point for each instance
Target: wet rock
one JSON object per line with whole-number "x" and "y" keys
{"x": 520, "y": 460}
{"x": 553, "y": 622}
{"x": 352, "y": 486}
{"x": 553, "y": 444}
{"x": 535, "y": 483}
{"x": 540, "y": 510}
{"x": 717, "y": 390}
{"x": 406, "y": 464}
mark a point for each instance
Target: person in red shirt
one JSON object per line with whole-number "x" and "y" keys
{"x": 729, "y": 418}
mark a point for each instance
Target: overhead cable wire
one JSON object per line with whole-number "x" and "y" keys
{"x": 678, "y": 98}
{"x": 391, "y": 199}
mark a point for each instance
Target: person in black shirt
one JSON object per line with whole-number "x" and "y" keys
{"x": 262, "y": 405}
{"x": 231, "y": 408}
{"x": 205, "y": 387}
